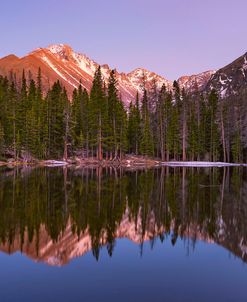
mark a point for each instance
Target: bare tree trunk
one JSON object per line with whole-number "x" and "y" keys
{"x": 65, "y": 153}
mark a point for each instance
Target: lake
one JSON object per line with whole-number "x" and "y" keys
{"x": 118, "y": 234}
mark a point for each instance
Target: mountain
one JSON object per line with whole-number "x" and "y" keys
{"x": 231, "y": 79}
{"x": 195, "y": 82}
{"x": 60, "y": 62}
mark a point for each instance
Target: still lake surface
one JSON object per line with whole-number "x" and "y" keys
{"x": 104, "y": 234}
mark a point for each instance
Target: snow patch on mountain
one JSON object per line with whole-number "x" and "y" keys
{"x": 56, "y": 48}
{"x": 85, "y": 63}
{"x": 51, "y": 65}
{"x": 128, "y": 84}
{"x": 196, "y": 82}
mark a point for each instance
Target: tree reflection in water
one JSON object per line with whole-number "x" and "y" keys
{"x": 56, "y": 214}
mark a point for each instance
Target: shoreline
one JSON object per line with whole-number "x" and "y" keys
{"x": 128, "y": 161}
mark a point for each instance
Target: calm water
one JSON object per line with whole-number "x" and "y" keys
{"x": 106, "y": 234}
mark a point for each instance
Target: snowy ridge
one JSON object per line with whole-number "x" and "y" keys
{"x": 128, "y": 84}
{"x": 61, "y": 62}
{"x": 73, "y": 67}
{"x": 197, "y": 82}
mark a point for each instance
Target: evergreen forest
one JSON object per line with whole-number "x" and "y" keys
{"x": 163, "y": 124}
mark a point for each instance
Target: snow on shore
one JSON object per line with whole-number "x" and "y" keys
{"x": 200, "y": 164}
{"x": 54, "y": 163}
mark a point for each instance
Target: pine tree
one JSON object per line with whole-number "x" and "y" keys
{"x": 161, "y": 119}
{"x": 32, "y": 126}
{"x": 11, "y": 125}
{"x": 168, "y": 125}
{"x": 44, "y": 128}
{"x": 5, "y": 107}
{"x": 41, "y": 114}
{"x": 193, "y": 133}
{"x": 56, "y": 121}
{"x": 237, "y": 148}
{"x": 98, "y": 115}
{"x": 147, "y": 144}
{"x": 214, "y": 134}
{"x": 174, "y": 123}
{"x": 85, "y": 124}
{"x": 67, "y": 124}
{"x": 184, "y": 123}
{"x": 134, "y": 127}
{"x": 112, "y": 99}
{"x": 117, "y": 119}
{"x": 77, "y": 117}
{"x": 21, "y": 114}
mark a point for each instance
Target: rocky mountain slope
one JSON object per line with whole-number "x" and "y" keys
{"x": 231, "y": 79}
{"x": 195, "y": 82}
{"x": 60, "y": 62}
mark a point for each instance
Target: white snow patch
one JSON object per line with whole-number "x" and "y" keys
{"x": 243, "y": 69}
{"x": 54, "y": 261}
{"x": 243, "y": 247}
{"x": 55, "y": 163}
{"x": 45, "y": 59}
{"x": 85, "y": 64}
{"x": 199, "y": 164}
{"x": 223, "y": 82}
{"x": 244, "y": 66}
{"x": 245, "y": 60}
{"x": 56, "y": 48}
{"x": 223, "y": 92}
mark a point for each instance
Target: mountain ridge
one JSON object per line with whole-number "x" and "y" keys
{"x": 61, "y": 62}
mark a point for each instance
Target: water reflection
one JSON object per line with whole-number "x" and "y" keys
{"x": 56, "y": 214}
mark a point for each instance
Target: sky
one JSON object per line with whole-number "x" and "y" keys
{"x": 170, "y": 37}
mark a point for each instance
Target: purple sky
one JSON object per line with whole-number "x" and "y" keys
{"x": 170, "y": 37}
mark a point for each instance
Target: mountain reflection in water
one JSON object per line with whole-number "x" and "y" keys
{"x": 56, "y": 214}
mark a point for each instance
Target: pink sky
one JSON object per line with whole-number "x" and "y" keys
{"x": 170, "y": 37}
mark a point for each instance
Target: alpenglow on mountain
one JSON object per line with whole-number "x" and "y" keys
{"x": 60, "y": 62}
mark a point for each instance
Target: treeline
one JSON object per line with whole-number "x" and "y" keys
{"x": 166, "y": 124}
